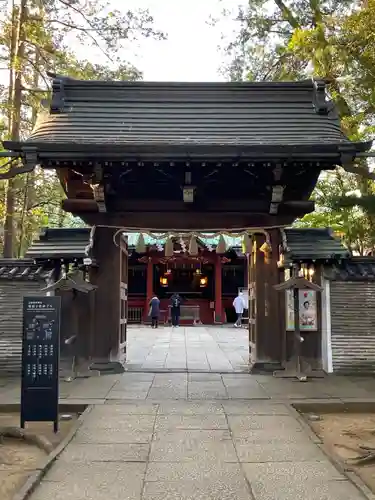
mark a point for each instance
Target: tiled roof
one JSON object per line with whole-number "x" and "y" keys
{"x": 248, "y": 114}
{"x": 69, "y": 243}
{"x": 22, "y": 269}
{"x": 313, "y": 244}
{"x": 354, "y": 269}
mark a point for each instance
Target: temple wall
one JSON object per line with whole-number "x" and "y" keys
{"x": 352, "y": 326}
{"x": 12, "y": 292}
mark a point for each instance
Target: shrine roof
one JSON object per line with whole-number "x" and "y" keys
{"x": 60, "y": 243}
{"x": 353, "y": 269}
{"x": 22, "y": 270}
{"x": 189, "y": 116}
{"x": 305, "y": 244}
{"x": 71, "y": 243}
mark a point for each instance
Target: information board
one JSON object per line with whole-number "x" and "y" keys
{"x": 40, "y": 360}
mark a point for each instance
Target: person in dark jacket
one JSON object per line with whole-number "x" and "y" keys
{"x": 154, "y": 311}
{"x": 175, "y": 309}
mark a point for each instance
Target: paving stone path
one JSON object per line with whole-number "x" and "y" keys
{"x": 204, "y": 348}
{"x": 196, "y": 437}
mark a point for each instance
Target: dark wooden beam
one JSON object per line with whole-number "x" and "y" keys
{"x": 202, "y": 221}
{"x": 298, "y": 208}
{"x": 74, "y": 151}
{"x": 215, "y": 206}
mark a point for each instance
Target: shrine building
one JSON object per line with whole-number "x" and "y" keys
{"x": 210, "y": 174}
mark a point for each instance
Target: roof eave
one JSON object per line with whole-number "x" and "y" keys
{"x": 235, "y": 150}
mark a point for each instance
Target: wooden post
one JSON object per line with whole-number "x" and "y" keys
{"x": 149, "y": 286}
{"x": 107, "y": 277}
{"x": 260, "y": 355}
{"x": 265, "y": 334}
{"x": 274, "y": 320}
{"x": 297, "y": 333}
{"x": 252, "y": 302}
{"x": 218, "y": 290}
{"x": 246, "y": 271}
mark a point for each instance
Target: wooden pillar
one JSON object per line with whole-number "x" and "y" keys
{"x": 107, "y": 276}
{"x": 246, "y": 271}
{"x": 274, "y": 319}
{"x": 267, "y": 339}
{"x": 149, "y": 286}
{"x": 260, "y": 288}
{"x": 218, "y": 291}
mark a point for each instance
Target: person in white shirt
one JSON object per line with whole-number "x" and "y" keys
{"x": 239, "y": 306}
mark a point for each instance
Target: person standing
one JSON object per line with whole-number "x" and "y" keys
{"x": 239, "y": 306}
{"x": 154, "y": 311}
{"x": 175, "y": 309}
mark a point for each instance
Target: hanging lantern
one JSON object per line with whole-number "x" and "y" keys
{"x": 141, "y": 245}
{"x": 193, "y": 246}
{"x": 203, "y": 282}
{"x": 221, "y": 246}
{"x": 163, "y": 281}
{"x": 168, "y": 250}
{"x": 246, "y": 244}
{"x": 267, "y": 250}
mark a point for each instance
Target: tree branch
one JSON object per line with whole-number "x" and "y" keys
{"x": 38, "y": 71}
{"x": 359, "y": 170}
{"x": 287, "y": 14}
{"x": 80, "y": 28}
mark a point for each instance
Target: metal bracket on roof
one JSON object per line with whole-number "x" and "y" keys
{"x": 320, "y": 102}
{"x": 99, "y": 196}
{"x": 30, "y": 160}
{"x": 98, "y": 187}
{"x": 277, "y": 172}
{"x": 276, "y": 199}
{"x": 58, "y": 95}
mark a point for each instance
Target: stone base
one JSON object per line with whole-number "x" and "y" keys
{"x": 306, "y": 370}
{"x": 295, "y": 374}
{"x": 261, "y": 367}
{"x": 107, "y": 367}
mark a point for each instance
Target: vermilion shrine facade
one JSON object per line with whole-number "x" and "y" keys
{"x": 185, "y": 159}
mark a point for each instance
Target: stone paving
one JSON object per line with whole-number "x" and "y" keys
{"x": 200, "y": 386}
{"x": 203, "y": 348}
{"x": 197, "y": 436}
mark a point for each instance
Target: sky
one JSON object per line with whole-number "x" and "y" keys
{"x": 191, "y": 51}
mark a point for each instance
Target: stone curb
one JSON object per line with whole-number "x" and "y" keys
{"x": 35, "y": 479}
{"x": 335, "y": 461}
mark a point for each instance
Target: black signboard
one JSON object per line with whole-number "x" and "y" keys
{"x": 40, "y": 360}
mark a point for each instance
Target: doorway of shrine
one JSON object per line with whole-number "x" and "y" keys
{"x": 194, "y": 284}
{"x": 209, "y": 345}
{"x": 207, "y": 285}
{"x": 123, "y": 275}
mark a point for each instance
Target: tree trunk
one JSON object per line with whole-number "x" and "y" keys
{"x": 25, "y": 225}
{"x": 61, "y": 217}
{"x": 15, "y": 102}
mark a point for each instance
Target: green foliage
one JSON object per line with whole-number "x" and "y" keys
{"x": 37, "y": 37}
{"x": 338, "y": 202}
{"x": 334, "y": 40}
